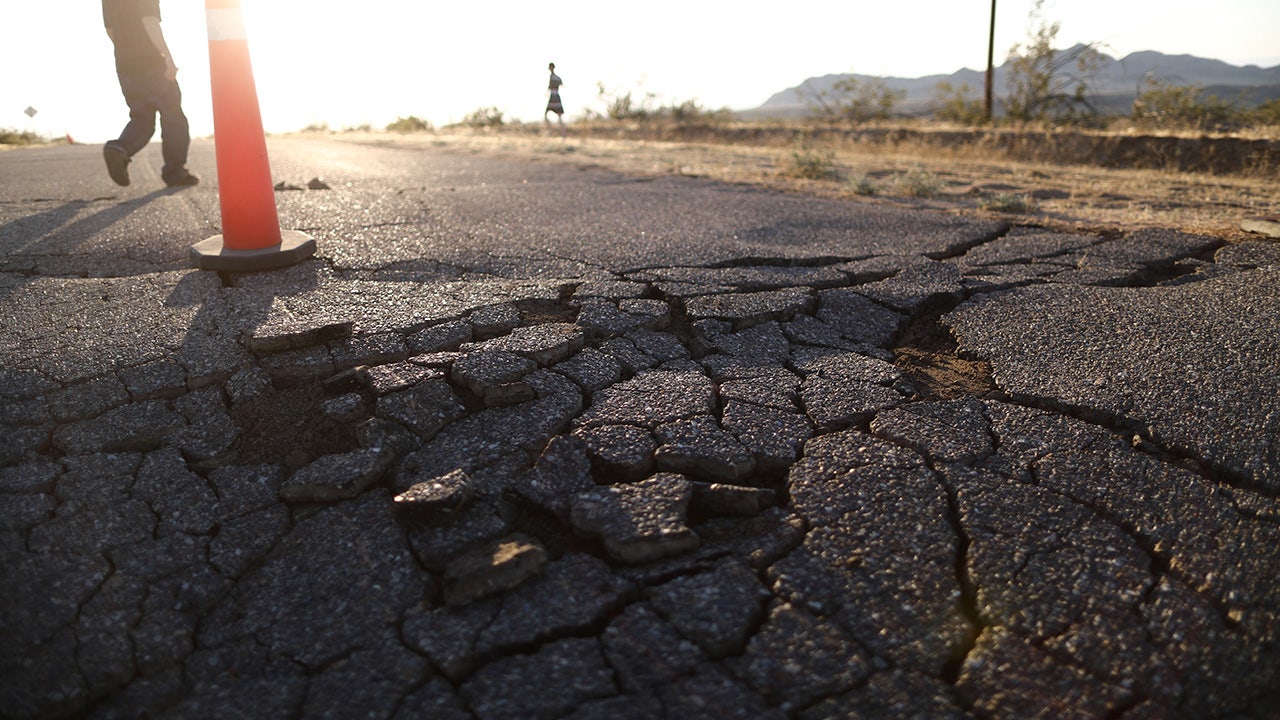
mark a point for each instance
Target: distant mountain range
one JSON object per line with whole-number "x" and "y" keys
{"x": 1116, "y": 84}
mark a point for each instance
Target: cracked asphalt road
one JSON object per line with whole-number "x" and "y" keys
{"x": 528, "y": 441}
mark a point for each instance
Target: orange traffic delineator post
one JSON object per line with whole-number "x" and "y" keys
{"x": 251, "y": 237}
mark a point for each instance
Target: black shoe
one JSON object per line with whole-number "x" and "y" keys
{"x": 184, "y": 180}
{"x": 117, "y": 163}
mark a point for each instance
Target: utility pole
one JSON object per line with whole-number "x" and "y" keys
{"x": 991, "y": 59}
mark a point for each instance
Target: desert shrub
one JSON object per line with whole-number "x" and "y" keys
{"x": 1009, "y": 203}
{"x": 411, "y": 124}
{"x": 1166, "y": 106}
{"x": 19, "y": 137}
{"x": 485, "y": 117}
{"x": 1047, "y": 84}
{"x": 686, "y": 111}
{"x": 854, "y": 100}
{"x": 918, "y": 183}
{"x": 809, "y": 163}
{"x": 625, "y": 106}
{"x": 692, "y": 111}
{"x": 1268, "y": 113}
{"x": 863, "y": 185}
{"x": 957, "y": 104}
{"x": 642, "y": 105}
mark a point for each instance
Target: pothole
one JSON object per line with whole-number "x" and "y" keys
{"x": 286, "y": 426}
{"x": 929, "y": 356}
{"x": 541, "y": 312}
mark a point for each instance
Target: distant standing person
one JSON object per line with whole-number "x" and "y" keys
{"x": 148, "y": 79}
{"x": 553, "y": 100}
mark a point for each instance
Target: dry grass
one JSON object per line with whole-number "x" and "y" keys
{"x": 962, "y": 180}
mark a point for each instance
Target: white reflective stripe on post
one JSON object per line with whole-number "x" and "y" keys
{"x": 225, "y": 24}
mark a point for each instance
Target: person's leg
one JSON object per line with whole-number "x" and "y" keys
{"x": 140, "y": 93}
{"x": 175, "y": 134}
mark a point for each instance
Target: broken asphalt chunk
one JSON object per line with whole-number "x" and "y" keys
{"x": 844, "y": 389}
{"x": 591, "y": 369}
{"x": 132, "y": 427}
{"x": 723, "y": 500}
{"x": 956, "y": 431}
{"x": 1266, "y": 225}
{"x": 543, "y": 344}
{"x": 620, "y": 452}
{"x": 425, "y": 408}
{"x": 700, "y": 447}
{"x": 571, "y": 595}
{"x": 747, "y": 309}
{"x": 798, "y": 659}
{"x": 336, "y": 477}
{"x": 917, "y": 288}
{"x": 294, "y": 335}
{"x": 638, "y": 522}
{"x": 651, "y": 399}
{"x": 858, "y": 319}
{"x": 718, "y": 610}
{"x": 486, "y": 370}
{"x": 562, "y": 471}
{"x": 386, "y": 379}
{"x": 604, "y": 318}
{"x": 773, "y": 436}
{"x": 495, "y": 320}
{"x": 435, "y": 501}
{"x": 437, "y": 338}
{"x": 493, "y": 568}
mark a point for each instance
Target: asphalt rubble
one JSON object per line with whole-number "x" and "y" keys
{"x": 849, "y": 488}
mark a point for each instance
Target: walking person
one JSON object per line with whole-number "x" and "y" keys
{"x": 553, "y": 100}
{"x": 148, "y": 80}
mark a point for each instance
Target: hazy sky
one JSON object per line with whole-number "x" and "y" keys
{"x": 349, "y": 63}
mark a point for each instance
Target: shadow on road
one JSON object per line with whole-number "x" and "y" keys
{"x": 59, "y": 231}
{"x": 47, "y": 227}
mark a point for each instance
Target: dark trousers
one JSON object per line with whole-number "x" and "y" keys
{"x": 149, "y": 94}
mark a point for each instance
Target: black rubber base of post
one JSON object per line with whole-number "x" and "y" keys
{"x": 294, "y": 247}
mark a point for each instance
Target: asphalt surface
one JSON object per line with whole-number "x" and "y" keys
{"x": 526, "y": 440}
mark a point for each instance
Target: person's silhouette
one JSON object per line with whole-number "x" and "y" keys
{"x": 553, "y": 100}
